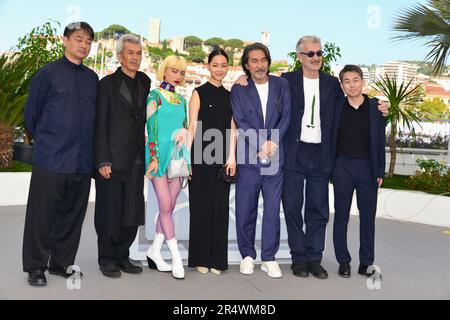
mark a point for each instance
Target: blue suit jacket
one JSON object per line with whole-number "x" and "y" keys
{"x": 247, "y": 113}
{"x": 331, "y": 100}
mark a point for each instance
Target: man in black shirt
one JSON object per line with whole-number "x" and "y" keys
{"x": 360, "y": 165}
{"x": 60, "y": 115}
{"x": 354, "y": 129}
{"x": 119, "y": 157}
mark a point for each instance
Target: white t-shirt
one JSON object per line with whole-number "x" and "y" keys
{"x": 263, "y": 92}
{"x": 311, "y": 130}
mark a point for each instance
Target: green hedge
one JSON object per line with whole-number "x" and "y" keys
{"x": 17, "y": 167}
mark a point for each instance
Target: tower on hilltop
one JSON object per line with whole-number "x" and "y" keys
{"x": 154, "y": 31}
{"x": 265, "y": 38}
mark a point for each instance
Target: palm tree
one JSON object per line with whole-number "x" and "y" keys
{"x": 37, "y": 48}
{"x": 401, "y": 98}
{"x": 13, "y": 95}
{"x": 429, "y": 22}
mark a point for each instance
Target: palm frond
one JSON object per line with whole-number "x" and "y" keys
{"x": 13, "y": 90}
{"x": 401, "y": 97}
{"x": 430, "y": 23}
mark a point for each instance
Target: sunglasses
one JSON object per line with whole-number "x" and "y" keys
{"x": 311, "y": 54}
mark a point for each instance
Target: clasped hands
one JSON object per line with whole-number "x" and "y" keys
{"x": 268, "y": 149}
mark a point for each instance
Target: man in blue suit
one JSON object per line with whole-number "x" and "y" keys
{"x": 360, "y": 164}
{"x": 316, "y": 98}
{"x": 261, "y": 111}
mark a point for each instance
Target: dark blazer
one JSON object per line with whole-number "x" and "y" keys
{"x": 331, "y": 100}
{"x": 377, "y": 138}
{"x": 119, "y": 124}
{"x": 247, "y": 113}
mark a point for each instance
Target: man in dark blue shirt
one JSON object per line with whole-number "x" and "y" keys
{"x": 60, "y": 115}
{"x": 360, "y": 164}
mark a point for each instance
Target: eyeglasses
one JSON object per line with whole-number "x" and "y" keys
{"x": 311, "y": 54}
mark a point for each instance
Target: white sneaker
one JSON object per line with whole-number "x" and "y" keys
{"x": 247, "y": 266}
{"x": 272, "y": 269}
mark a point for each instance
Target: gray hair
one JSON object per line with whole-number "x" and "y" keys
{"x": 126, "y": 38}
{"x": 311, "y": 39}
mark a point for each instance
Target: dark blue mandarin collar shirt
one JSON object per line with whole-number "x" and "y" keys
{"x": 60, "y": 115}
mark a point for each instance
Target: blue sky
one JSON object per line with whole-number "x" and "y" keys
{"x": 361, "y": 28}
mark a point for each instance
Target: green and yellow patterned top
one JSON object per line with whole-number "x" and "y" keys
{"x": 166, "y": 115}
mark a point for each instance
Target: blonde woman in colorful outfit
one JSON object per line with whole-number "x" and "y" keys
{"x": 166, "y": 126}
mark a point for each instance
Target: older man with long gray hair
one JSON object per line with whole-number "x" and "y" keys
{"x": 119, "y": 157}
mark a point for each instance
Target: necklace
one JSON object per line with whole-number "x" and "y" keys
{"x": 312, "y": 126}
{"x": 167, "y": 86}
{"x": 171, "y": 96}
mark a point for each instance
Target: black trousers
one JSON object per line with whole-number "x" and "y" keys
{"x": 112, "y": 251}
{"x": 306, "y": 188}
{"x": 119, "y": 211}
{"x": 55, "y": 213}
{"x": 350, "y": 175}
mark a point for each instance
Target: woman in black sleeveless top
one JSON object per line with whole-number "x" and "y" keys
{"x": 210, "y": 112}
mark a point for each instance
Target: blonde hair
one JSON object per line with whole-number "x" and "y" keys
{"x": 172, "y": 61}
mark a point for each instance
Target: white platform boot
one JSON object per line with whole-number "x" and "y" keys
{"x": 177, "y": 262}
{"x": 154, "y": 258}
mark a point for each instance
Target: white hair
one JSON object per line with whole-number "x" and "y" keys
{"x": 310, "y": 39}
{"x": 126, "y": 38}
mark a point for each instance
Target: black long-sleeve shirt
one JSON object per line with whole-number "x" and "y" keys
{"x": 60, "y": 115}
{"x": 354, "y": 131}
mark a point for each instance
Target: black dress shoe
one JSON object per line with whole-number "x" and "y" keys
{"x": 110, "y": 271}
{"x": 300, "y": 269}
{"x": 62, "y": 272}
{"x": 344, "y": 270}
{"x": 364, "y": 271}
{"x": 127, "y": 267}
{"x": 317, "y": 270}
{"x": 36, "y": 278}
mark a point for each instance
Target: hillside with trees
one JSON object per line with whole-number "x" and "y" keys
{"x": 114, "y": 31}
{"x": 193, "y": 45}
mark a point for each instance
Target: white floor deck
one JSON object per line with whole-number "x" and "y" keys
{"x": 414, "y": 260}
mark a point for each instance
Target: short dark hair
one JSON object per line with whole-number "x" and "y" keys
{"x": 76, "y": 26}
{"x": 252, "y": 47}
{"x": 217, "y": 51}
{"x": 351, "y": 68}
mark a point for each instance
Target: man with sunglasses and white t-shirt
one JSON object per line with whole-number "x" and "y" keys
{"x": 316, "y": 99}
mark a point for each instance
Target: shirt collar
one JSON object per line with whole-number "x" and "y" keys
{"x": 71, "y": 64}
{"x": 124, "y": 76}
{"x": 362, "y": 106}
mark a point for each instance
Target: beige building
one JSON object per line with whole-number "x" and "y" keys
{"x": 154, "y": 35}
{"x": 402, "y": 71}
{"x": 176, "y": 44}
{"x": 435, "y": 90}
{"x": 265, "y": 38}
